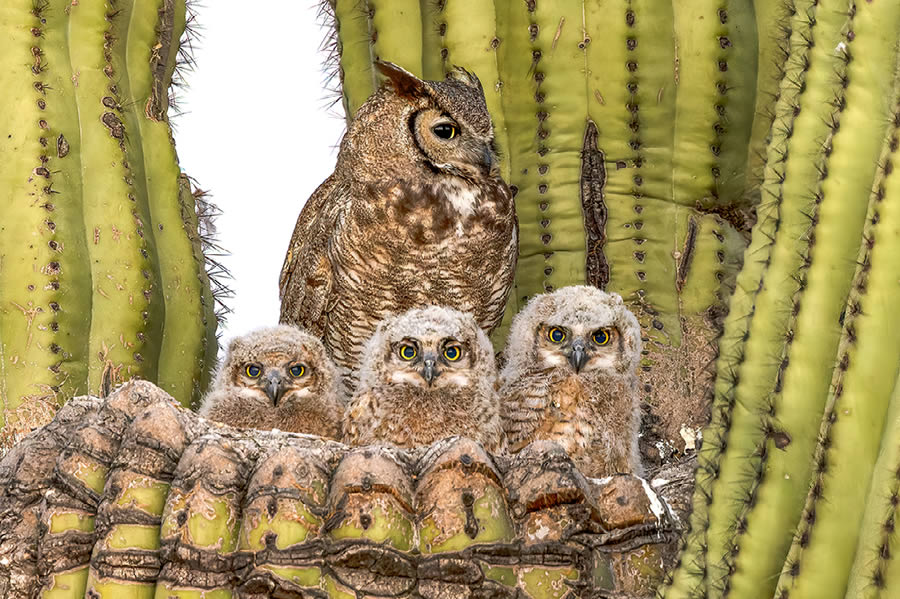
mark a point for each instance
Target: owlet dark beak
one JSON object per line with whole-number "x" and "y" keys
{"x": 429, "y": 370}
{"x": 273, "y": 385}
{"x": 577, "y": 356}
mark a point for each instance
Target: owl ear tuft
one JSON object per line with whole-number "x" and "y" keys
{"x": 406, "y": 84}
{"x": 463, "y": 76}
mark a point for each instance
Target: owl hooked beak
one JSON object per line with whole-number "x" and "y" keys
{"x": 577, "y": 356}
{"x": 272, "y": 383}
{"x": 487, "y": 160}
{"x": 429, "y": 370}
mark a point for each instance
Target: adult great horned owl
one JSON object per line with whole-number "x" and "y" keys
{"x": 414, "y": 214}
{"x": 570, "y": 377}
{"x": 426, "y": 374}
{"x": 278, "y": 377}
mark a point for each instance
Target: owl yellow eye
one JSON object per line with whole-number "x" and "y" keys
{"x": 601, "y": 337}
{"x": 408, "y": 352}
{"x": 452, "y": 353}
{"x": 556, "y": 335}
{"x": 253, "y": 371}
{"x": 297, "y": 370}
{"x": 445, "y": 131}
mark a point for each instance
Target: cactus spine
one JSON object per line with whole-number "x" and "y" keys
{"x": 101, "y": 279}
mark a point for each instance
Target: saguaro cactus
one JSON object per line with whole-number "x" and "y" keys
{"x": 102, "y": 274}
{"x": 135, "y": 497}
{"x": 809, "y": 357}
{"x": 624, "y": 128}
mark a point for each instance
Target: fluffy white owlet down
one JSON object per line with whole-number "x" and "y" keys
{"x": 570, "y": 377}
{"x": 278, "y": 377}
{"x": 427, "y": 374}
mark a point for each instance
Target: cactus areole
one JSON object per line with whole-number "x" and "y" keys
{"x": 102, "y": 275}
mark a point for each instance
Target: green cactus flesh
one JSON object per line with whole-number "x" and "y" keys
{"x": 101, "y": 277}
{"x": 134, "y": 496}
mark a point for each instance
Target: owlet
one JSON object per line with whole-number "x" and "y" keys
{"x": 570, "y": 377}
{"x": 414, "y": 214}
{"x": 278, "y": 377}
{"x": 426, "y": 374}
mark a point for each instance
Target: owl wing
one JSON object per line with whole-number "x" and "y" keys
{"x": 523, "y": 409}
{"x": 306, "y": 276}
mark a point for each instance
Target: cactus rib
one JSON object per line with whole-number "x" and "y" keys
{"x": 357, "y": 73}
{"x": 148, "y": 34}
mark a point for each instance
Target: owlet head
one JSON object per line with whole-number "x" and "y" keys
{"x": 283, "y": 363}
{"x": 578, "y": 328}
{"x": 431, "y": 348}
{"x": 449, "y": 123}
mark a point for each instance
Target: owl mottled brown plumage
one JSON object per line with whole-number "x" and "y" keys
{"x": 278, "y": 377}
{"x": 426, "y": 374}
{"x": 414, "y": 214}
{"x": 570, "y": 377}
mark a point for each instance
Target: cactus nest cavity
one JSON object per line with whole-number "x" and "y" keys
{"x": 134, "y": 494}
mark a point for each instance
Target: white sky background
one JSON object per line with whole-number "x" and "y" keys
{"x": 258, "y": 134}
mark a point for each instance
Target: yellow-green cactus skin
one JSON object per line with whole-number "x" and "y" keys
{"x": 103, "y": 276}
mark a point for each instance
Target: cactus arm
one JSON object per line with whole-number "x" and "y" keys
{"x": 432, "y": 63}
{"x": 149, "y": 34}
{"x": 798, "y": 394}
{"x": 42, "y": 254}
{"x": 744, "y": 468}
{"x": 470, "y": 38}
{"x": 869, "y": 355}
{"x": 125, "y": 290}
{"x": 357, "y": 74}
{"x": 732, "y": 344}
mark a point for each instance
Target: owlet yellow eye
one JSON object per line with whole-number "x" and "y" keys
{"x": 253, "y": 371}
{"x": 452, "y": 353}
{"x": 601, "y": 337}
{"x": 556, "y": 335}
{"x": 445, "y": 130}
{"x": 297, "y": 370}
{"x": 408, "y": 352}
